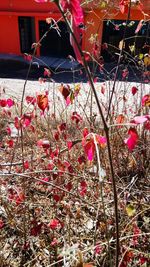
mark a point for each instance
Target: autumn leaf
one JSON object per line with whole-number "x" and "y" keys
{"x": 42, "y": 101}
{"x": 131, "y": 141}
{"x": 54, "y": 223}
{"x": 89, "y": 149}
{"x": 65, "y": 90}
{"x": 134, "y": 90}
{"x": 147, "y": 60}
{"x": 130, "y": 210}
{"x": 120, "y": 119}
{"x": 146, "y": 100}
{"x": 123, "y": 5}
{"x": 139, "y": 119}
{"x": 47, "y": 72}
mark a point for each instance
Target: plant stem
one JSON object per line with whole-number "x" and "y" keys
{"x": 106, "y": 129}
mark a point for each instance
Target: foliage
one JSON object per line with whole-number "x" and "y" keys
{"x": 70, "y": 155}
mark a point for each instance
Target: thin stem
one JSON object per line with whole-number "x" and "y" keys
{"x": 106, "y": 129}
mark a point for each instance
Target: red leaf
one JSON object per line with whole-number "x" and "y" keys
{"x": 123, "y": 5}
{"x": 43, "y": 143}
{"x": 131, "y": 141}
{"x": 36, "y": 229}
{"x": 103, "y": 88}
{"x": 89, "y": 148}
{"x": 54, "y": 223}
{"x": 134, "y": 90}
{"x": 1, "y": 224}
{"x": 81, "y": 159}
{"x": 65, "y": 90}
{"x": 3, "y": 103}
{"x": 10, "y": 102}
{"x": 47, "y": 72}
{"x": 69, "y": 145}
{"x": 10, "y": 143}
{"x": 85, "y": 132}
{"x": 77, "y": 22}
{"x": 42, "y": 101}
{"x": 27, "y": 57}
{"x": 62, "y": 127}
{"x": 30, "y": 100}
{"x": 76, "y": 117}
{"x": 26, "y": 164}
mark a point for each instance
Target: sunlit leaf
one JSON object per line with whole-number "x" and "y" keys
{"x": 130, "y": 210}
{"x": 65, "y": 90}
{"x": 42, "y": 101}
{"x": 131, "y": 141}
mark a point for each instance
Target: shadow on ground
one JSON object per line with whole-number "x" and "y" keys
{"x": 18, "y": 70}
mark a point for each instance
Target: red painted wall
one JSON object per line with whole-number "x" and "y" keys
{"x": 9, "y": 34}
{"x": 11, "y": 9}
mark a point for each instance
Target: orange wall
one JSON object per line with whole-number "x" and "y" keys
{"x": 9, "y": 34}
{"x": 94, "y": 23}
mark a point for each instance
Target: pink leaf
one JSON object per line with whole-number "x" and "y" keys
{"x": 101, "y": 140}
{"x": 68, "y": 101}
{"x": 139, "y": 119}
{"x": 131, "y": 141}
{"x": 89, "y": 148}
{"x": 10, "y": 103}
{"x": 139, "y": 26}
{"x": 69, "y": 145}
{"x": 77, "y": 21}
{"x": 41, "y": 1}
{"x": 47, "y": 72}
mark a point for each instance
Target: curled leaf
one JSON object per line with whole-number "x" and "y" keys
{"x": 139, "y": 26}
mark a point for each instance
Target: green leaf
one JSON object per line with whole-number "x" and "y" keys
{"x": 130, "y": 210}
{"x": 141, "y": 56}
